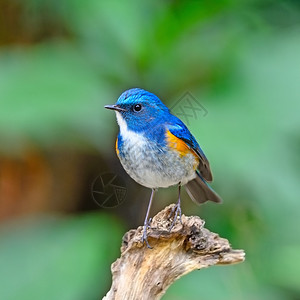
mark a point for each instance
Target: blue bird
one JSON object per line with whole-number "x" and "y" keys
{"x": 157, "y": 150}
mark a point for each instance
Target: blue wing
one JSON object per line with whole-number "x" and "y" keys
{"x": 177, "y": 128}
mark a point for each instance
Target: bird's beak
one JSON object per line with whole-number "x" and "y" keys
{"x": 115, "y": 107}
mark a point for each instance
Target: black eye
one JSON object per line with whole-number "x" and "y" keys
{"x": 137, "y": 107}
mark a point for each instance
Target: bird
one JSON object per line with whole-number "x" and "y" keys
{"x": 157, "y": 150}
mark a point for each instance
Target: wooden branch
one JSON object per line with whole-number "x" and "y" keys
{"x": 142, "y": 273}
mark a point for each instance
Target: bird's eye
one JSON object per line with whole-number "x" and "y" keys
{"x": 137, "y": 107}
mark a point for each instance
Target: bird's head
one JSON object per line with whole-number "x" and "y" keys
{"x": 139, "y": 110}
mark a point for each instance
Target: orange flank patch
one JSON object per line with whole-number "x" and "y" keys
{"x": 179, "y": 145}
{"x": 117, "y": 150}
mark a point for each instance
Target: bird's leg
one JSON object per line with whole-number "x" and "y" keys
{"x": 176, "y": 209}
{"x": 146, "y": 222}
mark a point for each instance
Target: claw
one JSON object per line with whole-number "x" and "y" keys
{"x": 145, "y": 238}
{"x": 176, "y": 210}
{"x": 149, "y": 223}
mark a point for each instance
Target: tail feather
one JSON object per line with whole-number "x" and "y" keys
{"x": 200, "y": 192}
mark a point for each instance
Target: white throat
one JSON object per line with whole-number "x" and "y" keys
{"x": 127, "y": 134}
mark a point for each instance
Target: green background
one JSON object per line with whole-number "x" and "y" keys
{"x": 62, "y": 61}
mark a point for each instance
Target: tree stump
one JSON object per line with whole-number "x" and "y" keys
{"x": 145, "y": 274}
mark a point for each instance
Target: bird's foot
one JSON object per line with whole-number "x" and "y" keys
{"x": 144, "y": 236}
{"x": 176, "y": 211}
{"x": 149, "y": 223}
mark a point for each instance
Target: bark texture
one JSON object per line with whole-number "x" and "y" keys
{"x": 142, "y": 273}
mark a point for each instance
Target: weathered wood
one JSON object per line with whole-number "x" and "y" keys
{"x": 142, "y": 273}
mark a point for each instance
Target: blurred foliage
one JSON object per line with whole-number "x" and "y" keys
{"x": 55, "y": 258}
{"x": 61, "y": 61}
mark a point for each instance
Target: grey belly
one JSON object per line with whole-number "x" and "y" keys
{"x": 155, "y": 167}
